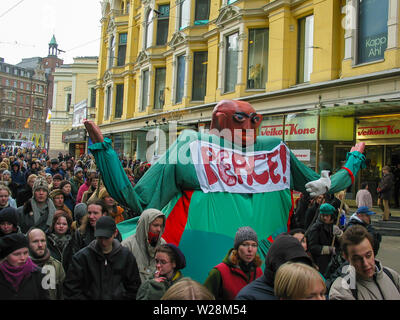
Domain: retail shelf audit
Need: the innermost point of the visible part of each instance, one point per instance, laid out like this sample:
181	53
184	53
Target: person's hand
332	250
320	186
337	231
358	147
93	131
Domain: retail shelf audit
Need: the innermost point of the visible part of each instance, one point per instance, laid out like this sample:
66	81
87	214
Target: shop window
183	14
180	78
372	29
162	24
231	62
108	103
92	97
145	89
68	104
202	12
258	59
149	29
305	49
119	101
159	88
199	75
122	49
111	52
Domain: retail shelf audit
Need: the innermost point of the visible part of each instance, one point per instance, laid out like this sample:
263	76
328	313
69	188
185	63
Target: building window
149	29
21	98
69	96
15	85
21	85
28	86
119	101
162	24
231	62
305	49
202	12
27	99
122	48
159	88
183	14
7	82
372	37
92	97
145	89
258	59
111	52
180	78
108	103
199	75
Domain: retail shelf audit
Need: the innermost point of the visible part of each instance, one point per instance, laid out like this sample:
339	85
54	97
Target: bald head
37	243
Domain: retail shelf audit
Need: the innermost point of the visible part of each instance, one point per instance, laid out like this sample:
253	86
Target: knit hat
40	183
12	242
54	161
326	208
243	234
57	176
54	193
76	170
9	214
6	172
180	259
80	210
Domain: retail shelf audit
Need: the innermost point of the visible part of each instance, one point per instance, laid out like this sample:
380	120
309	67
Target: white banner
80	110
226	170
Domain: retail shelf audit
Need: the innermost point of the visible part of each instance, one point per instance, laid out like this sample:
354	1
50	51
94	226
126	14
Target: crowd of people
59	223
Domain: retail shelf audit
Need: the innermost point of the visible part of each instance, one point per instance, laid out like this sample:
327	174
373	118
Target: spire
53	41
53	46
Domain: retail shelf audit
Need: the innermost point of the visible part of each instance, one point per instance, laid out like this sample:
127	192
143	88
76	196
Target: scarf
60	241
15	275
39	212
153	238
40	261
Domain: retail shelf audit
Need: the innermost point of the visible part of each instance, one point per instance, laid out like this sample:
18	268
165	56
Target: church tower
53	47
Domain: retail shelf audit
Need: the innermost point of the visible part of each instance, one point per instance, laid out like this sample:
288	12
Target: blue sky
27	27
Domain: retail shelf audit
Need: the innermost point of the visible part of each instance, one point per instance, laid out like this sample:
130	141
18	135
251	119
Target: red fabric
350	174
290	212
176	220
234	279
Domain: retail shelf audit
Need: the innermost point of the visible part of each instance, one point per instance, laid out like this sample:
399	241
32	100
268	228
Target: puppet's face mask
236	121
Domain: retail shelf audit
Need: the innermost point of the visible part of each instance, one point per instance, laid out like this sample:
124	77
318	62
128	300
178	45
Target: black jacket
29	289
94	276
319	235
375	234
58	252
24	195
386	185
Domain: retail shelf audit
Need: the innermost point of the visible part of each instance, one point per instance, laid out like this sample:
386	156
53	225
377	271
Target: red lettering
272	167
209	155
223	167
263	177
239	163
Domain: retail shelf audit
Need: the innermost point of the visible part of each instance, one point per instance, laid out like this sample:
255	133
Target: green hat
326	208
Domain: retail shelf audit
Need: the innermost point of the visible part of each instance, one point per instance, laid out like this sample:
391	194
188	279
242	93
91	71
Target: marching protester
57	196
69	200
76	181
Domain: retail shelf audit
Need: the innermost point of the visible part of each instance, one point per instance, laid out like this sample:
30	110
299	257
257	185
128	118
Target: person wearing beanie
143	243
53	169
57	196
39	210
284	248
169	261
91	192
26	192
57	178
80	211
40	255
17	178
20	278
240	266
9	221
114	210
104	270
320	237
76	181
69	200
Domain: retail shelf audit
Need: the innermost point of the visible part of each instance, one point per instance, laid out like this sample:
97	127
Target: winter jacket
53	172
26	216
75	185
154	290
29	289
319	237
284	248
139	245
227	278
69	201
84	187
95	276
17	176
354	220
386	186
23	195
60	250
380	287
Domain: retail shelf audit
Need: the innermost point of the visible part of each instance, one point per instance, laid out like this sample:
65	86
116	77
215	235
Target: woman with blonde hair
298	281
187	289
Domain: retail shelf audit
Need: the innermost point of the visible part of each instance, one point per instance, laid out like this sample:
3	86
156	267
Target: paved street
389	252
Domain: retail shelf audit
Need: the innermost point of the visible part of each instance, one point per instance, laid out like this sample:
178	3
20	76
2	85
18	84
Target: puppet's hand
320	186
93	131
358	147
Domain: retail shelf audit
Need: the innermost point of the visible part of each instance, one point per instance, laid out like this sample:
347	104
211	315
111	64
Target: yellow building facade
74	88
321	74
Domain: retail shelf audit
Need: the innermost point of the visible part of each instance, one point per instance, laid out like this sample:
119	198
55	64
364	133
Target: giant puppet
209	185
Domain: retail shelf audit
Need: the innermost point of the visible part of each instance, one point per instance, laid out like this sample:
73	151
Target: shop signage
302	154
74	136
378	130
80	110
297	129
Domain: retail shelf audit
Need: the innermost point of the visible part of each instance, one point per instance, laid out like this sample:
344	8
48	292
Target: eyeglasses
162	262
247	245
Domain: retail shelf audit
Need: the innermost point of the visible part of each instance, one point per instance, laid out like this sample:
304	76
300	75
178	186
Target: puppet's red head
240	118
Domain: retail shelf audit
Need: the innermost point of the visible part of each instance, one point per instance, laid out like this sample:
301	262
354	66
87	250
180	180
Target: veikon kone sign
378	130
298	129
